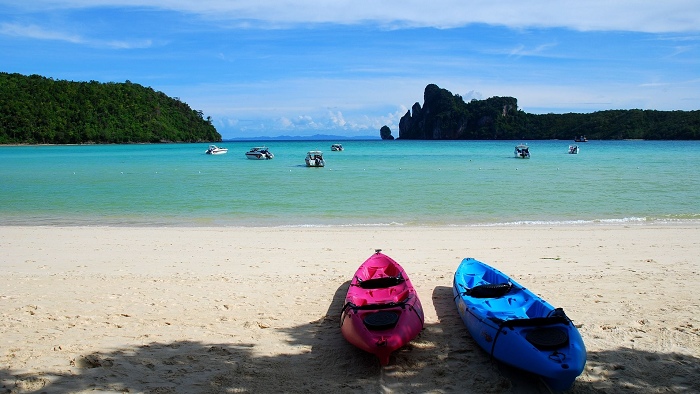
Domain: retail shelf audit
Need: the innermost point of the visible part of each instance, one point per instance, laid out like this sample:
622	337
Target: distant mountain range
316	137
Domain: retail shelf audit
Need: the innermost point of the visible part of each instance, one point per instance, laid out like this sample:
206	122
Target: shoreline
223	224
221	309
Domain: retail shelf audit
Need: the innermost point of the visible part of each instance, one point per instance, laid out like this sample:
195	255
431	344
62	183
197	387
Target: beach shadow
630	370
464	353
330	350
443	358
176	367
616	370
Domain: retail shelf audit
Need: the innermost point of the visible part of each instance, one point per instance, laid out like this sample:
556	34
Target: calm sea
371	183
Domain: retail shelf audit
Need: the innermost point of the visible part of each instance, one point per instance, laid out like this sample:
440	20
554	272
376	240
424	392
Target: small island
40	110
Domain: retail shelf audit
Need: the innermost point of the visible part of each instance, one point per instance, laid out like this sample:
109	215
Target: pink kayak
382	311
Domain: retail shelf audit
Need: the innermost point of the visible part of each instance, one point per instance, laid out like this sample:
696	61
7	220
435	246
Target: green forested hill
40	110
448	117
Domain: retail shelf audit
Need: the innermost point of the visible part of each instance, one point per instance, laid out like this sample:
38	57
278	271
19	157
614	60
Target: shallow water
369	183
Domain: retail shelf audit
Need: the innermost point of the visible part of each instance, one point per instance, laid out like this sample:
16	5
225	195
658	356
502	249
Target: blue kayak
517	327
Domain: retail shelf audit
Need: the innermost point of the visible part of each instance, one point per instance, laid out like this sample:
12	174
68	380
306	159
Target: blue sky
273	67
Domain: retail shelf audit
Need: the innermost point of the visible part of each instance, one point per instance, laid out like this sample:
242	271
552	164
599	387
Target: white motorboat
522	151
259	153
215	150
314	158
337	147
573	149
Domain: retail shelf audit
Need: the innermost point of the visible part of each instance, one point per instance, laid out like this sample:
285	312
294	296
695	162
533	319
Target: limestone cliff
445	116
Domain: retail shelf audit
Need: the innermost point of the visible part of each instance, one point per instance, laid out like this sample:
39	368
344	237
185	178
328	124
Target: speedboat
573	149
336	147
522	151
581	139
215	150
259	153
314	158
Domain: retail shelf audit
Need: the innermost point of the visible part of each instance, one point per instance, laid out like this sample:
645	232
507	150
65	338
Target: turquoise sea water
460	183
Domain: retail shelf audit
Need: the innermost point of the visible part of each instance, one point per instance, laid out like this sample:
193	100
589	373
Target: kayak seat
382	320
490	290
548	338
381	283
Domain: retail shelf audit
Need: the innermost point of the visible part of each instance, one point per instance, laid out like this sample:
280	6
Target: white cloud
522	50
337	118
121	44
304	121
38	32
41	33
472	95
284	123
622	15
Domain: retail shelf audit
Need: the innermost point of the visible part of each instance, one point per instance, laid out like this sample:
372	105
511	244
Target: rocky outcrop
445	116
385	133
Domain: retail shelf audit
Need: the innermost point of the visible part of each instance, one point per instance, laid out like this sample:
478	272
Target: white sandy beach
199	310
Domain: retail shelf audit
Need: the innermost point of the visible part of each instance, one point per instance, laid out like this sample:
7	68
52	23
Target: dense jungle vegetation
447	116
40	110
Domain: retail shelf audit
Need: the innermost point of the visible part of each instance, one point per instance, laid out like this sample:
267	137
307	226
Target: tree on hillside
35	109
